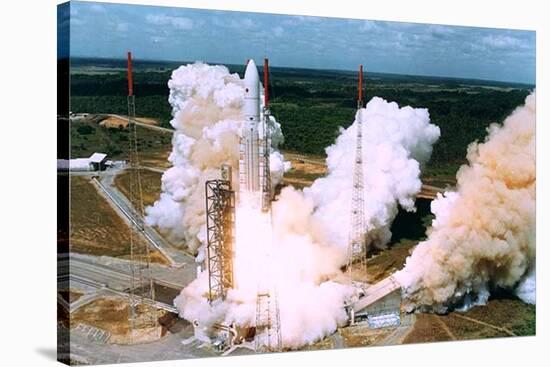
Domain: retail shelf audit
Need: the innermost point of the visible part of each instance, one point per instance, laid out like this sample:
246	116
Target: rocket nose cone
251	74
251	81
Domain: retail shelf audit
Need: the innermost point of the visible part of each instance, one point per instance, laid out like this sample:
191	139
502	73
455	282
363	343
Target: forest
312	105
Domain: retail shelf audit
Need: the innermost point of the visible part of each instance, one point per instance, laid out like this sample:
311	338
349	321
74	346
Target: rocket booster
249	162
254	149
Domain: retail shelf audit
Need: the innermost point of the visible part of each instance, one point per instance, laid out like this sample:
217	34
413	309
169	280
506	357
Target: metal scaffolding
357	247
220	227
141	280
268	323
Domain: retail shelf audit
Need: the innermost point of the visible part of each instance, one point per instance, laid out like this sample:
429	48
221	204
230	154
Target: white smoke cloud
306	233
527	287
206	104
396	142
483	235
301	267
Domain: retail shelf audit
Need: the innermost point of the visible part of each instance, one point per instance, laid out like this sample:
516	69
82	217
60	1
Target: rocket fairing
254	152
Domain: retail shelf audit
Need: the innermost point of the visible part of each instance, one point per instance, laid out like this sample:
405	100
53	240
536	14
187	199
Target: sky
169	33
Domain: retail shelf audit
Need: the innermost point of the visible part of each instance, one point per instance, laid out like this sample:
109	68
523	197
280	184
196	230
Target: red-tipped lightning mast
130	77
266	83
357	248
360	88
141	275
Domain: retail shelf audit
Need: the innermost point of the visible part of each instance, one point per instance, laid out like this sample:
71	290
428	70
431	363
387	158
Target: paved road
87	271
101	275
398	335
148	126
176	257
169	347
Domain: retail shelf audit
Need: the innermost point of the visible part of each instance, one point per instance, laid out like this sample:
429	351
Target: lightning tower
356	245
141	279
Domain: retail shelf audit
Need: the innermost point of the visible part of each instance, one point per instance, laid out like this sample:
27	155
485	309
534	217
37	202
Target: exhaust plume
206	104
483	234
306	232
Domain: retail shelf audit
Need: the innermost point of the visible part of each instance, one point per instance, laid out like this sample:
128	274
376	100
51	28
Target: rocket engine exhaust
217	120
483	234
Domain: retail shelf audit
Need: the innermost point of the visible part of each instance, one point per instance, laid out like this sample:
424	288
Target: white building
96	162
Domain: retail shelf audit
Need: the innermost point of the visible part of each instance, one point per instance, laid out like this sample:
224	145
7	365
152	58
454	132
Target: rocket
249	158
254	176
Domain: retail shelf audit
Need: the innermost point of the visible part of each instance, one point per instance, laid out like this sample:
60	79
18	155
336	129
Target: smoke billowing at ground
483	234
306	234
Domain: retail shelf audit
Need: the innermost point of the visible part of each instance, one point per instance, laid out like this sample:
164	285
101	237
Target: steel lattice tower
141	280
268	322
220	224
357	246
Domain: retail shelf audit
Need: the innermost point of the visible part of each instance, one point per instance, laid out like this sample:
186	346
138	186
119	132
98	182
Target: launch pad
376	306
220	228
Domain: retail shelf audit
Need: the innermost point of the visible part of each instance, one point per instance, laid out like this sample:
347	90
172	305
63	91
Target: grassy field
150	184
96	228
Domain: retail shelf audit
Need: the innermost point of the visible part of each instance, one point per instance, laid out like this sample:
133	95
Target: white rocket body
250	160
255	146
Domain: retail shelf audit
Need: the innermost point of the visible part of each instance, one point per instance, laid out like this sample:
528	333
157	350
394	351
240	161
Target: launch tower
220	227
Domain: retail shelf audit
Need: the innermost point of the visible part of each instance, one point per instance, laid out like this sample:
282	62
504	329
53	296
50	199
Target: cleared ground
156	157
147	120
499	318
384	263
96	228
111	314
71	295
306	168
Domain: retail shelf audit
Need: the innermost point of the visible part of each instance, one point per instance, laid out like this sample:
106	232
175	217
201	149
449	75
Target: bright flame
253	240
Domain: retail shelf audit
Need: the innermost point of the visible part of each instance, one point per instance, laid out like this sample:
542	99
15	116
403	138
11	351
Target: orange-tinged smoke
483	235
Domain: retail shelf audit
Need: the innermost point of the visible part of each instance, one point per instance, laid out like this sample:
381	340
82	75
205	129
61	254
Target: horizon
308	42
365	71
